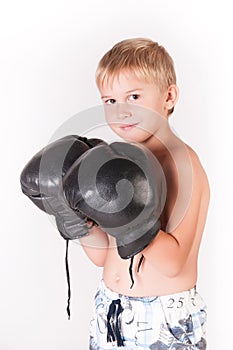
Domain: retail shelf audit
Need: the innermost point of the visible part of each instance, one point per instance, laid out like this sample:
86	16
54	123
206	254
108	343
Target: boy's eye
111	101
133	97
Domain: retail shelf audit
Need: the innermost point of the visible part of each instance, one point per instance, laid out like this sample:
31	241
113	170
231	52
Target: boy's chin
135	135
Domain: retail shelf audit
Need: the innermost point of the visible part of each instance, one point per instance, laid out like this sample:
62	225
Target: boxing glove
41	181
122	187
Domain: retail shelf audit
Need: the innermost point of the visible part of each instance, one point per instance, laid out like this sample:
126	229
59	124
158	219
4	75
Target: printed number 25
173	303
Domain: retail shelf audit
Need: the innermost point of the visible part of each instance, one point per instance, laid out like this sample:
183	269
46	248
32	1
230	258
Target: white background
49	52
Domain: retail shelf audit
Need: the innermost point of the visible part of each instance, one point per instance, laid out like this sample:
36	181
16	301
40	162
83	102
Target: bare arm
95	245
168	252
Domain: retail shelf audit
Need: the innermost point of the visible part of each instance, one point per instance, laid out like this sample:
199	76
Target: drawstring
115	310
68	279
113	322
131	268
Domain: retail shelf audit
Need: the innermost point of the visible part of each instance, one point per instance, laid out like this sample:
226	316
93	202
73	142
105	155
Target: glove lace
131	268
68	278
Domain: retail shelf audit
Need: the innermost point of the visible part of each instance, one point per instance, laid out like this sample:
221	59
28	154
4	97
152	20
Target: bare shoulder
188	164
200	179
187	186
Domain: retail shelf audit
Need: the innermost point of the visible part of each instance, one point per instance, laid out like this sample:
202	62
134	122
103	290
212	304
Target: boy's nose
123	112
118	113
124	115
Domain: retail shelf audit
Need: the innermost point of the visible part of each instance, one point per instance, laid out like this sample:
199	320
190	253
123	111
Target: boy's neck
162	141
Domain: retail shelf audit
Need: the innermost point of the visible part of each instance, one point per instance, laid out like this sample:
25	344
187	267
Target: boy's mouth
128	126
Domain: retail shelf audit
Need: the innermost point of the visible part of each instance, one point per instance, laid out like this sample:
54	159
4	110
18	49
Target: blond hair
145	58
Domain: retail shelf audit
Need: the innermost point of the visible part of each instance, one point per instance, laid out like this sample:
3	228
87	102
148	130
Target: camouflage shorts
173	322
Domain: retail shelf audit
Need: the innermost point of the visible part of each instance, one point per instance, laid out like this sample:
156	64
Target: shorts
173	322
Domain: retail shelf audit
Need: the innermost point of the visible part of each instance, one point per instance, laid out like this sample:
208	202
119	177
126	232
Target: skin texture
170	263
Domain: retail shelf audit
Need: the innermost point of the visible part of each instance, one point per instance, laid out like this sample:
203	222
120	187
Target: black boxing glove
122	187
41	181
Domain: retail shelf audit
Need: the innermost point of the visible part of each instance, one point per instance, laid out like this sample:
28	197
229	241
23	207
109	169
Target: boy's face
135	108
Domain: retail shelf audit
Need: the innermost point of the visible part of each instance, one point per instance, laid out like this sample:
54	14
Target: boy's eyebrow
105	96
127	92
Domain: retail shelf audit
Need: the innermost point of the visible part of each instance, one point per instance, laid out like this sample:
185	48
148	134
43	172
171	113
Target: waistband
179	298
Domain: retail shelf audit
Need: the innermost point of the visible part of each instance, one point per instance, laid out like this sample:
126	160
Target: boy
149	301
163	309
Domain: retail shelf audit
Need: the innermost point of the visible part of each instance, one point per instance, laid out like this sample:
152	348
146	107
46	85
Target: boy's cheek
110	114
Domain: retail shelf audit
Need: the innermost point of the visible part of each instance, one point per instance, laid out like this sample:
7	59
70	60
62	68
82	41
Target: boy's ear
171	97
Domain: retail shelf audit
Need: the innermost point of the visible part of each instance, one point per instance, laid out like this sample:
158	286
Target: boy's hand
123	189
41	180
